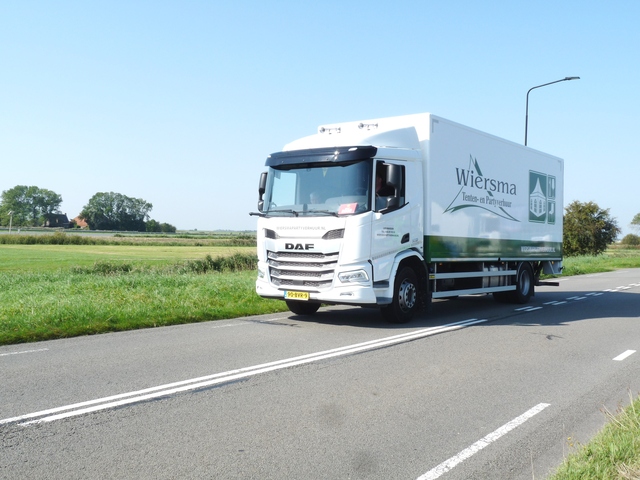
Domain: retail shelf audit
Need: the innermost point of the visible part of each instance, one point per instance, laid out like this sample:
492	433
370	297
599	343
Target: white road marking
447	465
624	355
218	378
527	309
23	351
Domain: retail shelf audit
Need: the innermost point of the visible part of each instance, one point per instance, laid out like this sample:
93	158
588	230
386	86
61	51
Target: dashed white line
527	309
447	465
624	355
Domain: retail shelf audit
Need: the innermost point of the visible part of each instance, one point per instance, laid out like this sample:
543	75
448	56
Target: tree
155	226
635	223
28	204
588	229
167	228
114	211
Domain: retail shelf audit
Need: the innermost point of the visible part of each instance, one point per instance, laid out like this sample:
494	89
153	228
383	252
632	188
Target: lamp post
526	118
10	220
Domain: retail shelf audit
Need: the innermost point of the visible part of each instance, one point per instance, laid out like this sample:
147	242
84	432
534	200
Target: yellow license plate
296	295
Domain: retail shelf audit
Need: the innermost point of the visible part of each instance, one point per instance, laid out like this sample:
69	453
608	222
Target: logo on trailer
479	191
542	198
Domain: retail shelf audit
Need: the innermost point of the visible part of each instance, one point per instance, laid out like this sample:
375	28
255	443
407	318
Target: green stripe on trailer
441	248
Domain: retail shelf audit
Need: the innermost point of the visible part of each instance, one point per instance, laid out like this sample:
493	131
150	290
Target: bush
631	240
234	263
104	268
588	229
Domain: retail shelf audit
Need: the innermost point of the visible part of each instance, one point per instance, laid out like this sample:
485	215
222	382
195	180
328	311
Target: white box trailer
393	212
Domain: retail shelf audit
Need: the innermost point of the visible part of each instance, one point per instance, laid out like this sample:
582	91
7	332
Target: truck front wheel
302	308
405	297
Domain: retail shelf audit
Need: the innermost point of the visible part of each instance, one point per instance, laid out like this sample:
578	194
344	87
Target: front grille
312	271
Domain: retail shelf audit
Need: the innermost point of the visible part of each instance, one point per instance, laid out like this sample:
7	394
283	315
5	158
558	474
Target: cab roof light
329	130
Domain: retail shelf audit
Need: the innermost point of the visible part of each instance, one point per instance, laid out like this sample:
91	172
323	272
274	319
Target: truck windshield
319	189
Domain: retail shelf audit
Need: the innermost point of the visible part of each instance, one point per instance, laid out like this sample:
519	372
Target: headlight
261	273
356	276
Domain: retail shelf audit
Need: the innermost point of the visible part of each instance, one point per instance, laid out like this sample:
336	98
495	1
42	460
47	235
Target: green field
51	258
52	288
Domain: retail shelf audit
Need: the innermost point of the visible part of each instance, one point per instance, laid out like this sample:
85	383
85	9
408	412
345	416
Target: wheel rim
407	296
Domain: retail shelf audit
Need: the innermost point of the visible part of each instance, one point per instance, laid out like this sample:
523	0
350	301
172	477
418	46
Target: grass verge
114	297
614	453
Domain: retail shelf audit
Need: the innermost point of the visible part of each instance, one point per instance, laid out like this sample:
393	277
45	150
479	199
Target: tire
524	284
302	308
405	297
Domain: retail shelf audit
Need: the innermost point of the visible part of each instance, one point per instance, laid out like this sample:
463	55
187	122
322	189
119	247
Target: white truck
393	212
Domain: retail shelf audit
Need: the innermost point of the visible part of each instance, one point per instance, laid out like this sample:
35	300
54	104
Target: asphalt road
472	389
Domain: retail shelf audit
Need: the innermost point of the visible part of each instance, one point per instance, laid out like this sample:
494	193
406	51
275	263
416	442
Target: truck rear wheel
302	308
524	284
405	297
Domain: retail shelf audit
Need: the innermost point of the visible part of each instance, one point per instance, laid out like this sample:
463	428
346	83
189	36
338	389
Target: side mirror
262	187
394	180
394	177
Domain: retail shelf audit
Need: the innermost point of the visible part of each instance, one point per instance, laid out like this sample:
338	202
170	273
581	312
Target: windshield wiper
295	213
328	212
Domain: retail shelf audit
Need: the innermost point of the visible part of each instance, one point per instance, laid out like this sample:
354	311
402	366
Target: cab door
391	225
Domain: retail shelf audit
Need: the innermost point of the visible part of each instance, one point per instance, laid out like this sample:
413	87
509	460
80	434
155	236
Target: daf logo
298	246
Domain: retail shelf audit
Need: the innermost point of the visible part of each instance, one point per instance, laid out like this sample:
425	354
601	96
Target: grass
54	286
51	258
42	306
614	258
613	454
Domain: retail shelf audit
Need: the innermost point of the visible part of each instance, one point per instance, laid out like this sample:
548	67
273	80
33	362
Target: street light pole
526	118
10	220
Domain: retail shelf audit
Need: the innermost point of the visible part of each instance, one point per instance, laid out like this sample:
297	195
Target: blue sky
179	103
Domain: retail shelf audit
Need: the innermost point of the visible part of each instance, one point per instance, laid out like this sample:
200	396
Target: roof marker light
368	126
329	130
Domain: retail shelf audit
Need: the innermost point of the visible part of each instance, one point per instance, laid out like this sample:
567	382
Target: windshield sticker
347	208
